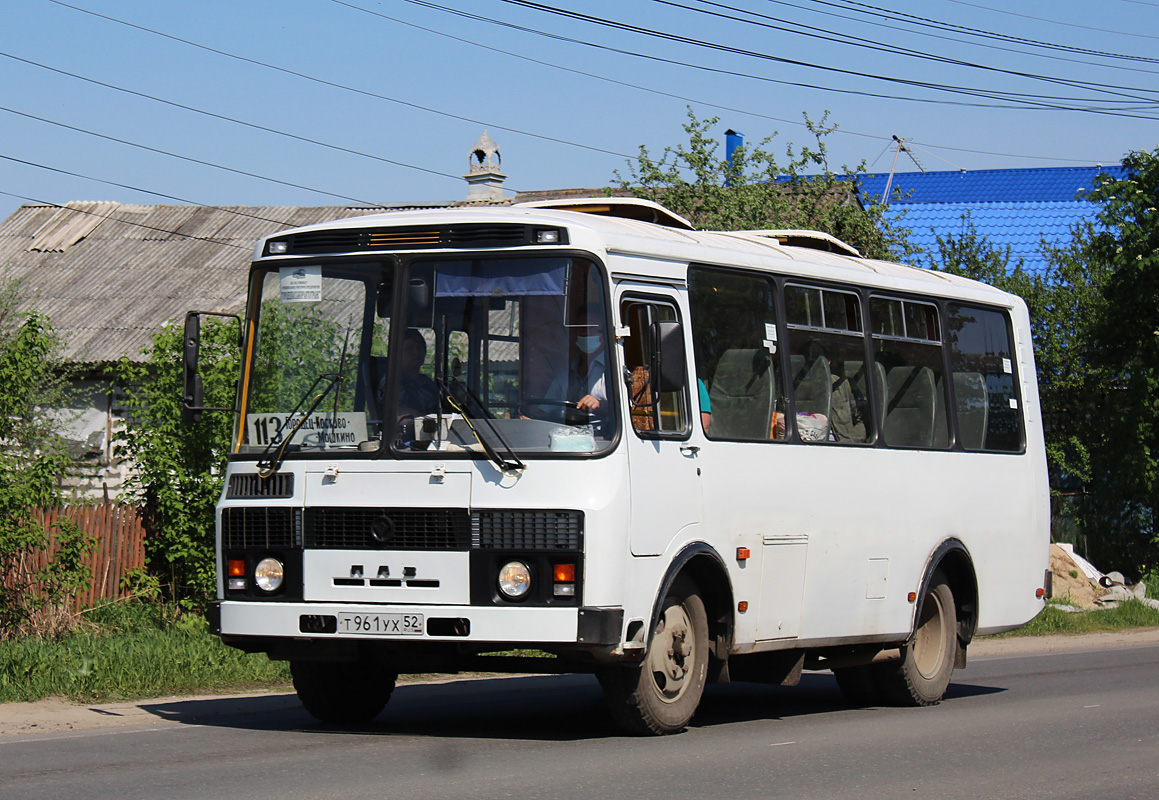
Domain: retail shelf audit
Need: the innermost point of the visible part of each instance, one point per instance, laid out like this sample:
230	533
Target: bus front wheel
342	692
922	676
660	695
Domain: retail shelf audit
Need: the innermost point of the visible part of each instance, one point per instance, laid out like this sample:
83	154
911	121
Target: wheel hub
671	656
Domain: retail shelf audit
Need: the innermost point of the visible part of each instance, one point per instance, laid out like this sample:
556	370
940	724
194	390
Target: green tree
32	460
179	465
1095	324
1122	252
756	190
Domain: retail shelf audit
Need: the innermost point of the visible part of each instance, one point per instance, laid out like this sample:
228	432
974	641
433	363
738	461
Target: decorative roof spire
484	178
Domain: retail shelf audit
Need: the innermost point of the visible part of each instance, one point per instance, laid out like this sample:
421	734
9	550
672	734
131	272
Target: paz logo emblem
382	529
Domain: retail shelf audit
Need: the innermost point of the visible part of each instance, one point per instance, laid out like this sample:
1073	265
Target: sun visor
516	277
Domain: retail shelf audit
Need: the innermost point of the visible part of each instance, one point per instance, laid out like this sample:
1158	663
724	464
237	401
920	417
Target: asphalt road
1078	724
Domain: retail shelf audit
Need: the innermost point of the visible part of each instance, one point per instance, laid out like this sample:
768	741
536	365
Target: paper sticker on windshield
1007	366
301	284
345	429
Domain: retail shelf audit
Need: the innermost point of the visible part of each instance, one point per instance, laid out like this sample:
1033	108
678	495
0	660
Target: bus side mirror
671	373
192	389
193	395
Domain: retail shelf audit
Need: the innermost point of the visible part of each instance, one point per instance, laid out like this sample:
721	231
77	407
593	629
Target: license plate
381	624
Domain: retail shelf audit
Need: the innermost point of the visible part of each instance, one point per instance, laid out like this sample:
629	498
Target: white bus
663	456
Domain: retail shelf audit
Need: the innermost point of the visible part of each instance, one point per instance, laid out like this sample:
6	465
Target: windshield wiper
266	468
509	464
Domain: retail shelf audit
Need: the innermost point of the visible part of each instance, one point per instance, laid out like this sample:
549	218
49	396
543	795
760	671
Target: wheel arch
953	559
703	565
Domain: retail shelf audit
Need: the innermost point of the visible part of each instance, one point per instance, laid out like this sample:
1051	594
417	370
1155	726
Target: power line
185	158
955	39
1028	102
1057	22
335	85
707	103
925	21
144	191
124	221
856	41
1032	100
229	119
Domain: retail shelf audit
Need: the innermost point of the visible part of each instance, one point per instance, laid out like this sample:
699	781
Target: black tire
858	685
922	676
660	695
343	692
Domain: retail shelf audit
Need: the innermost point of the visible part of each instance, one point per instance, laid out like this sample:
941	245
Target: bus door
664	464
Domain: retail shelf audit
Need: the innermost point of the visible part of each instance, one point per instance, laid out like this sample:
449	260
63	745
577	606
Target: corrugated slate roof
110	275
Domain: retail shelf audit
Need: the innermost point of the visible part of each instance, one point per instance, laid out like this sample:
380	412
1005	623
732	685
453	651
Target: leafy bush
32	598
179	463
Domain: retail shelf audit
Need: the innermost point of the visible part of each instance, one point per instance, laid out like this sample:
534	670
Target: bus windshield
490	357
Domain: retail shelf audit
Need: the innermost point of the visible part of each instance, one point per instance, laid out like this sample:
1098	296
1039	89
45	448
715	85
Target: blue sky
392	94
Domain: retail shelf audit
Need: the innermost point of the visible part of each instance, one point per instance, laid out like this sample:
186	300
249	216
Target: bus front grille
520	529
247	485
388	528
257	528
446	529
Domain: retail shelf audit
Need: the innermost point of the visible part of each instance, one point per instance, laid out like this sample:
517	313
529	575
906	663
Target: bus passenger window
985	390
734	336
651	413
907	362
828	372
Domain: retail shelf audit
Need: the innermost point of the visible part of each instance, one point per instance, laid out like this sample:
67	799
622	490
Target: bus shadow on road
538	708
816	694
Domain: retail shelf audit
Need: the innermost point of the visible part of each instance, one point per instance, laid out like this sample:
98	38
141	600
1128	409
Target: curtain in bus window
985	390
501	277
734	339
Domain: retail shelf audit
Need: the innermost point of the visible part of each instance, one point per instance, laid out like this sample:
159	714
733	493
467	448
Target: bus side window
985	387
651	414
829	374
907	353
734	335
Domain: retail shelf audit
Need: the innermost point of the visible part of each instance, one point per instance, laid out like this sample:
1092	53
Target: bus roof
596	224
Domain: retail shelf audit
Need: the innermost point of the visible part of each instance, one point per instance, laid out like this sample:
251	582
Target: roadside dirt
56	715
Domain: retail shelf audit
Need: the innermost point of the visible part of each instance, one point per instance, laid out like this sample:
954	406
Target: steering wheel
569	411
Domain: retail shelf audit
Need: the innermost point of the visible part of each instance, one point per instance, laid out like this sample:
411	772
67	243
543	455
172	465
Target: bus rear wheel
922	676
660	695
344	692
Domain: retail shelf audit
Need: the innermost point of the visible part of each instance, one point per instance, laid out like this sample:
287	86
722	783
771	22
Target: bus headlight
514	579
268	575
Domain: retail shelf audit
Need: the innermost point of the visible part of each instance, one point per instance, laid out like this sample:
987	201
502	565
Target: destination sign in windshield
344	429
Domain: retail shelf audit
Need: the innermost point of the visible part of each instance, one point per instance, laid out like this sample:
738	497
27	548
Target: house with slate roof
109	275
1016	207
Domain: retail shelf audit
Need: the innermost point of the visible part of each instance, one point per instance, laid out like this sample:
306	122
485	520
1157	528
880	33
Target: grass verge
130	652
1053	620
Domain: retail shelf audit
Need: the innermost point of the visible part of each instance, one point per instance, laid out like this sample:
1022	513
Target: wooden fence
120	547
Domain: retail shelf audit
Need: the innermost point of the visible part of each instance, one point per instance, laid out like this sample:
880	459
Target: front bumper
516	626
